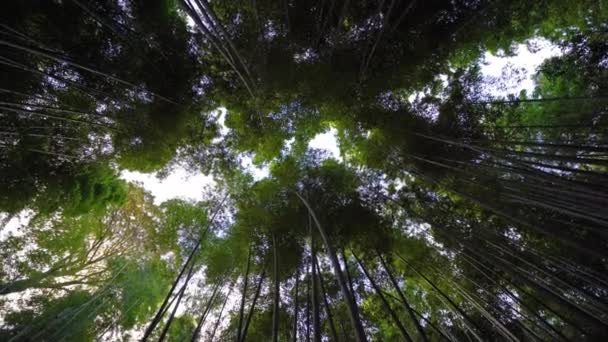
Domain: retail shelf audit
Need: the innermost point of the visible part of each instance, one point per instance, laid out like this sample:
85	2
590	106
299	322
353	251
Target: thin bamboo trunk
78	66
243	296
398	300
251	310
308	304
215	42
348	276
295	308
450	301
505	267
548	99
316	320
353	312
475	300
545	325
162	310
402	296
204	314
386	304
179	299
330	317
275	313
219	317
223	32
24	111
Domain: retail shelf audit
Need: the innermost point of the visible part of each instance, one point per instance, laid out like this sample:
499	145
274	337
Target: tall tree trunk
477	302
162	310
525	276
201	321
170	303
448	299
316	320
386	304
295	308
422	318
216	42
223	32
509	268
179	299
59	59
244	296
275	313
402	296
308	282
219	317
255	299
348	276
543	322
330	317
352	309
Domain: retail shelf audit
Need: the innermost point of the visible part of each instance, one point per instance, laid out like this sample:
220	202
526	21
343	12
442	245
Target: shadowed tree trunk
219	317
179	299
204	314
316	320
466	317
330	318
295	307
348	276
308	305
251	310
161	311
439	331
543	322
243	296
350	303
275	313
402	296
386	304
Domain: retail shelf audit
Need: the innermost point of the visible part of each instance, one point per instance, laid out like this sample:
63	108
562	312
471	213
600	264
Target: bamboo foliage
466	216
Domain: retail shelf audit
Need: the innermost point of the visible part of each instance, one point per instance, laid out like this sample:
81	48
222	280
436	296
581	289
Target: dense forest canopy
452	214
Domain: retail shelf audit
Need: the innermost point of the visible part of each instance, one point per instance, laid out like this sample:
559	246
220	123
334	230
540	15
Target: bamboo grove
454	212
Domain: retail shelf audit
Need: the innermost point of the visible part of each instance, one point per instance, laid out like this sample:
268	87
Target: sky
183	185
178	183
524	60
